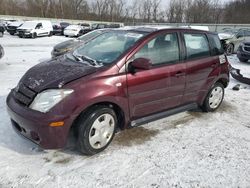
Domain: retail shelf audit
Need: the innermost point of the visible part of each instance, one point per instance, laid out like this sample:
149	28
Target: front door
162	86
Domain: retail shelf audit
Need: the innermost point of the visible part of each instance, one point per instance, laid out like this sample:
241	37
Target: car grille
23	94
12	27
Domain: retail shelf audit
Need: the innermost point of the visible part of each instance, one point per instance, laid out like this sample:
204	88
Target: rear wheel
96	130
214	98
243	59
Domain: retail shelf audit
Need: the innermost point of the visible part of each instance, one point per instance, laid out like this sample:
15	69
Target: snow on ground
191	149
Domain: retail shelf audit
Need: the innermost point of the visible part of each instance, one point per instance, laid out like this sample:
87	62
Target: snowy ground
191	149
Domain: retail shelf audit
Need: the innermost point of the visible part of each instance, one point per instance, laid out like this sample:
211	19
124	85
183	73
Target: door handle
179	74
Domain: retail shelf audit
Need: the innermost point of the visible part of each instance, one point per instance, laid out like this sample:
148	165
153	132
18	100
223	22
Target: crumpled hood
66	44
55	73
225	36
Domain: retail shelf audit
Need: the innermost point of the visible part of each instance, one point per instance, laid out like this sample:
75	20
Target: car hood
55	73
225	36
66	44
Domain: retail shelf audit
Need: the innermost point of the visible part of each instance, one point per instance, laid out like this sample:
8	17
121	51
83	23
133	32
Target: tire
1	52
214	98
50	34
12	33
230	49
243	60
34	35
93	135
1	34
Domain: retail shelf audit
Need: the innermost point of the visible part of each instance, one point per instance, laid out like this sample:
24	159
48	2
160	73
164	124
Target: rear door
161	87
200	65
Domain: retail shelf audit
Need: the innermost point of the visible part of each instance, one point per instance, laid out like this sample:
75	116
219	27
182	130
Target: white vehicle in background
35	29
74	31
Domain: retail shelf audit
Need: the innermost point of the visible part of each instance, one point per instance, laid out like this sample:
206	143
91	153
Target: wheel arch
118	110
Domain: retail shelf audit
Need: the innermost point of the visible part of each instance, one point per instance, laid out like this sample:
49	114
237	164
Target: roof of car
151	29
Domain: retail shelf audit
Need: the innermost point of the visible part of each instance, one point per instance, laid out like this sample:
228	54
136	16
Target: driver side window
163	49
39	26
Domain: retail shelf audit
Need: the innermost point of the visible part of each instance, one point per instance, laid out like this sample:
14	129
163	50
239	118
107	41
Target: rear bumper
34	125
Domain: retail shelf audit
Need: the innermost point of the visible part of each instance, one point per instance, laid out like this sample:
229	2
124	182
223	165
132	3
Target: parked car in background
98	26
2	29
118	80
12	27
75	30
65	47
1	52
233	39
243	52
35	29
114	26
58	28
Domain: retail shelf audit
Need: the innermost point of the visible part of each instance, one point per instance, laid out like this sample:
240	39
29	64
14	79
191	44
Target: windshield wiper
79	57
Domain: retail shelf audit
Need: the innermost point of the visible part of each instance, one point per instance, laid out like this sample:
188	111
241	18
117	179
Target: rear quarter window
215	44
196	45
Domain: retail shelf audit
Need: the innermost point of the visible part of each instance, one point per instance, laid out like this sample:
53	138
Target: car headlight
46	100
65	49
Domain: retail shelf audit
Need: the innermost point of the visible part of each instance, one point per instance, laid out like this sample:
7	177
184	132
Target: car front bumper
243	54
35	126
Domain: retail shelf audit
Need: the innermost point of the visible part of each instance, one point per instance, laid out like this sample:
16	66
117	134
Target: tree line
132	11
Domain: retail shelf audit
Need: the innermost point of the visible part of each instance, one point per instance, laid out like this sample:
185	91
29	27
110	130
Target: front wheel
34	35
96	130
214	98
230	49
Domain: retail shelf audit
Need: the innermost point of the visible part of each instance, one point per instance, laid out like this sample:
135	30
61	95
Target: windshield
29	24
108	47
90	35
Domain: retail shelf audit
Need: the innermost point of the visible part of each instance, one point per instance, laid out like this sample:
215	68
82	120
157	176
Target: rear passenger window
196	45
216	47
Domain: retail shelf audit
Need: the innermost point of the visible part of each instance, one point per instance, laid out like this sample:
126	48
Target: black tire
1	34
243	60
50	34
12	33
230	49
207	106
34	35
84	129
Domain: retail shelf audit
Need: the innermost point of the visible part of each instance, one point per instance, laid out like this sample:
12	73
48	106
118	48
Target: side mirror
140	64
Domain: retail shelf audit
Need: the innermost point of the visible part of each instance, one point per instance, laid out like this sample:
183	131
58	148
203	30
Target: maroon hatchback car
121	79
